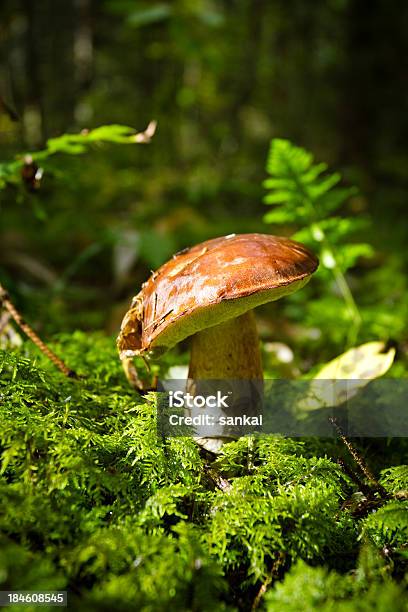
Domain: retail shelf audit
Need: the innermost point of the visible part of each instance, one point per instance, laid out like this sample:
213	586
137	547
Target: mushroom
209	292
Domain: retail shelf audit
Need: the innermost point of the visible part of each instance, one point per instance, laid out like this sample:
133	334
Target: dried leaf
366	362
342	378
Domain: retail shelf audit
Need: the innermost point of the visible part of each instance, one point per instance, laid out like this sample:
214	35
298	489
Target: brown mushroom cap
210	283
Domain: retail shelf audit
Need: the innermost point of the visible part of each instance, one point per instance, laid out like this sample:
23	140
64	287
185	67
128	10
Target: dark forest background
222	78
92	499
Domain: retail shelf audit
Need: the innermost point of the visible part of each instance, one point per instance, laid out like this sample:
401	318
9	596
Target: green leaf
279	197
155	247
348	255
75	144
279	215
333	199
296	181
278	183
314	172
148	15
317	189
121	134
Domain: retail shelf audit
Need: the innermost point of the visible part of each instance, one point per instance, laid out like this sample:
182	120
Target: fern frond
395	478
298	183
389	525
303	193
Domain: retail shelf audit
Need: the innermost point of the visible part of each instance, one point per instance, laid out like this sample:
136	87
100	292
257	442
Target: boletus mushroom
209	292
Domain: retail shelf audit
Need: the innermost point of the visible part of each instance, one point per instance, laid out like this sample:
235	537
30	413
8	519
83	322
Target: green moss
93	501
365	589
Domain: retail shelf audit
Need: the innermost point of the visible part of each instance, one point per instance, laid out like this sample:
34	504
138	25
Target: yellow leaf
366	362
341	379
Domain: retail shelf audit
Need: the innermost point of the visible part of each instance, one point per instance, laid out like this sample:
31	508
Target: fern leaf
296	181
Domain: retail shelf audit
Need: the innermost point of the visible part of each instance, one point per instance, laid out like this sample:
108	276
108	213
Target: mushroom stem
229	354
229	350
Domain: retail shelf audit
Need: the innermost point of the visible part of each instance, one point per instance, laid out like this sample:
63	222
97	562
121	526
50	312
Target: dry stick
354	477
356	456
9	306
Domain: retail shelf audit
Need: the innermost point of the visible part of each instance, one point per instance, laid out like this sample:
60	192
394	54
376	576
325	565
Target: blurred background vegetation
222	78
93	500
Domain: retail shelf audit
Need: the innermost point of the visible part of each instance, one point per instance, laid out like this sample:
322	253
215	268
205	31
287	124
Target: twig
9	306
354	477
357	457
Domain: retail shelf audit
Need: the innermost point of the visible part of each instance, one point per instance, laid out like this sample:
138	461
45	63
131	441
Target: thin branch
357	457
25	327
354	477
